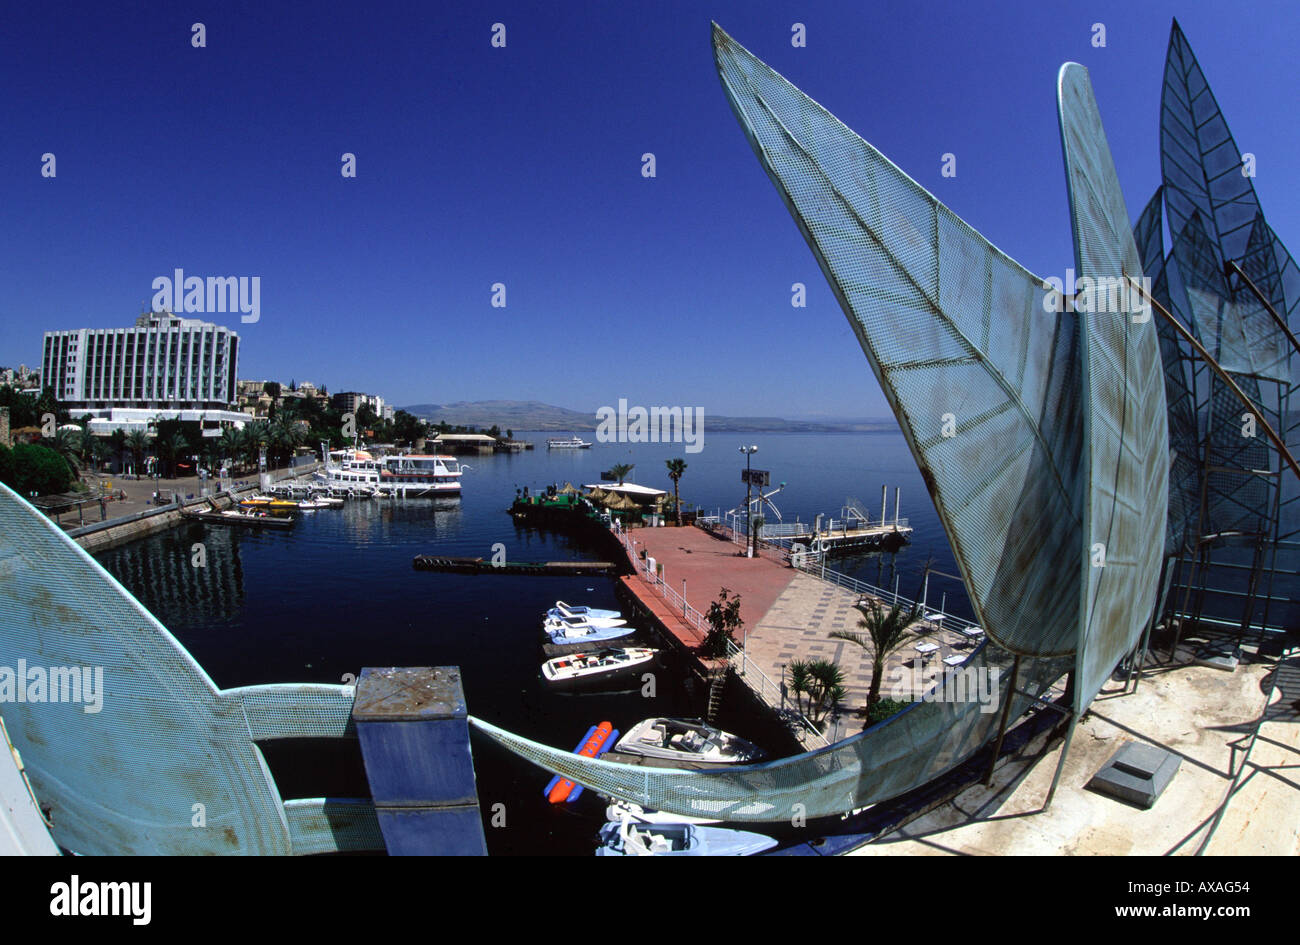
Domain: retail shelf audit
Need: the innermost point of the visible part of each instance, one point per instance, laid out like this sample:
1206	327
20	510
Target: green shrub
40	470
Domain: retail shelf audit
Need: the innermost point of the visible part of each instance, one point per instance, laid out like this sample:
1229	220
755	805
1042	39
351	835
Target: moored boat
627	838
561	609
597	664
579	624
585	634
687	740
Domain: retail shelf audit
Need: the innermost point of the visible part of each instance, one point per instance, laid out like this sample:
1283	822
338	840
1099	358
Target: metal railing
758	681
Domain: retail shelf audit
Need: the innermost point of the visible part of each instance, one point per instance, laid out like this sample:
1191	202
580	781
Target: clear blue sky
522	165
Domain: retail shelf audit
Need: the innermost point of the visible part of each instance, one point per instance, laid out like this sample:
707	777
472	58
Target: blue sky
522	165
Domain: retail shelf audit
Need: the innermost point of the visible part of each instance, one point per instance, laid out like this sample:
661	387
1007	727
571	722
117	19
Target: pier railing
757	680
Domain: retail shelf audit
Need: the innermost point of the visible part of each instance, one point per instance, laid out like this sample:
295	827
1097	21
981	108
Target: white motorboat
627	838
595	664
579	624
618	811
561	609
687	740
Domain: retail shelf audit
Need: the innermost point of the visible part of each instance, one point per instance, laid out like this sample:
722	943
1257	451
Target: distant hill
534	415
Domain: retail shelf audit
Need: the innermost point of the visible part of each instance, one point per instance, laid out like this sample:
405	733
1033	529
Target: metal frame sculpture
1234	507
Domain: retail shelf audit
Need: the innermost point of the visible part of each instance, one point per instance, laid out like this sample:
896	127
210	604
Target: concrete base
1137	774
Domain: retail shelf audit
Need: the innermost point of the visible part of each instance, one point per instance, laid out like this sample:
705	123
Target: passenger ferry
413	475
567	443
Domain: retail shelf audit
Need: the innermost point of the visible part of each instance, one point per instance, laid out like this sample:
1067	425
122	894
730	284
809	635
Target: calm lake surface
338	592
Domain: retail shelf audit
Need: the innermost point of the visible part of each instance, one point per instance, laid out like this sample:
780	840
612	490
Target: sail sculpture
1228	488
1053	489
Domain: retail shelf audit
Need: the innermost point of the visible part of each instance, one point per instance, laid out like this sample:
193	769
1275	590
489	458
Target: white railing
755	678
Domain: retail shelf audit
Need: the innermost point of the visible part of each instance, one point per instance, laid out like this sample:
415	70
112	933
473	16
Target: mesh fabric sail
957	332
1123	390
169	763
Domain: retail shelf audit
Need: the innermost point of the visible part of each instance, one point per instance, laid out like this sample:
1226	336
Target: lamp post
749	451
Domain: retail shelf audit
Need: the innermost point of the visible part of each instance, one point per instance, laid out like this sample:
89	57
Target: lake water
338	592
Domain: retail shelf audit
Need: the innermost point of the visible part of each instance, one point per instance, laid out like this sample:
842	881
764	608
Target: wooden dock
452	565
241	521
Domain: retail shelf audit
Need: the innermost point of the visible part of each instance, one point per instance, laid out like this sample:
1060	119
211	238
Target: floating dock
245	521
540	568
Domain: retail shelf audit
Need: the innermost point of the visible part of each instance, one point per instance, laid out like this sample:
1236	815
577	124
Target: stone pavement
798	627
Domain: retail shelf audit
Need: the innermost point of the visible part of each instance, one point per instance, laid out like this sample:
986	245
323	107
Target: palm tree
118	439
137	441
230	444
886	632
176	446
620	470
676	469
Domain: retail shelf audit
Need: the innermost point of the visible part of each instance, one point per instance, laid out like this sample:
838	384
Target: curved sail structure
129	745
1237	552
1123	391
1060	441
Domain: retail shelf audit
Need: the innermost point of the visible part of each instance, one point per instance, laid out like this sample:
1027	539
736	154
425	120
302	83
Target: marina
264	633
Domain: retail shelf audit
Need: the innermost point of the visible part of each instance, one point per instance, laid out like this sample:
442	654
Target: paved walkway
788	615
799	625
709	564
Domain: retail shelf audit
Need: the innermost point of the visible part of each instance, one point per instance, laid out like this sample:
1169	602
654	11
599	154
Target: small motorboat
687	740
561	609
574	623
627	838
584	633
618	811
595	664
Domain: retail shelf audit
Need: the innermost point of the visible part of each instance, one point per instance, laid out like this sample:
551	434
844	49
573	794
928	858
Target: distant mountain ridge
534	415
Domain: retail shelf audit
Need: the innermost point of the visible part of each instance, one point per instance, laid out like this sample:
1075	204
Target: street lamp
749	451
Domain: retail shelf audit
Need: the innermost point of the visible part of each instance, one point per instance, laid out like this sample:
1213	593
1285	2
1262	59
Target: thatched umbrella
598	494
568	489
623	503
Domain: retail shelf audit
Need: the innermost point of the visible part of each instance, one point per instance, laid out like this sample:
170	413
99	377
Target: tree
886	632
825	689
40	470
272	389
723	618
676	469
137	441
620	471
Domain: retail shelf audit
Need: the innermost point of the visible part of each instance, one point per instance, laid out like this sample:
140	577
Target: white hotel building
176	368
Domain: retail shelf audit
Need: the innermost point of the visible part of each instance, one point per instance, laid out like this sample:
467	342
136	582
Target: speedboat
585	633
598	663
561	609
618	811
626	838
580	624
687	740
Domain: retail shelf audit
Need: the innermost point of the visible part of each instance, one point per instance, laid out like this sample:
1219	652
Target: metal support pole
884	500
1002	725
1060	765
897	494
